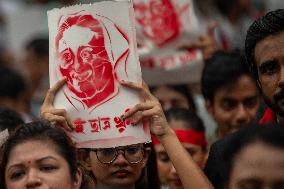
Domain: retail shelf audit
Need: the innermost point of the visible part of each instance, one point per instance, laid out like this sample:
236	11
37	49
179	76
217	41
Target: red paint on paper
89	71
159	20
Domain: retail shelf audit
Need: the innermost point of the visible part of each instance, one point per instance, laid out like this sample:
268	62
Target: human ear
146	157
78	179
84	159
209	107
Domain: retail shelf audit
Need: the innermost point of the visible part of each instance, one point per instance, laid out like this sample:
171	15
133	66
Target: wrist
168	133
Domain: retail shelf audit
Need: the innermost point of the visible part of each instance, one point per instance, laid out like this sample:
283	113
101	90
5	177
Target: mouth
176	182
121	173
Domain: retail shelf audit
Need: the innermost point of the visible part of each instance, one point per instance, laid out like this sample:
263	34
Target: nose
281	78
33	179
173	170
120	159
242	115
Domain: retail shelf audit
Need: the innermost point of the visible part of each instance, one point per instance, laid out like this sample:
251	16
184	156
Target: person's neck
106	186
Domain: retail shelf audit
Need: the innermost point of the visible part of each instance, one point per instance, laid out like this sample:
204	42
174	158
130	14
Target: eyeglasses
133	153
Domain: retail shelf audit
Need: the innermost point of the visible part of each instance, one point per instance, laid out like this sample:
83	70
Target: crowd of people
242	90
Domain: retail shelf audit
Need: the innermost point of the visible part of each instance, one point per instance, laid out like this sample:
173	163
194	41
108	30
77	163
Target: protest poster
163	26
94	47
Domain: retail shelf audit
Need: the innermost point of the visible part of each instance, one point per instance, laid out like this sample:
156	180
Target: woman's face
166	170
37	164
118	173
258	166
170	98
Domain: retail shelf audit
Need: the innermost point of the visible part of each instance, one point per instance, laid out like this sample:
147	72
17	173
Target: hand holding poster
94	48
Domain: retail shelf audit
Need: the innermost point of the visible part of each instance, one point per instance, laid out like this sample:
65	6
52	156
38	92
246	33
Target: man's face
234	106
258	166
269	57
85	63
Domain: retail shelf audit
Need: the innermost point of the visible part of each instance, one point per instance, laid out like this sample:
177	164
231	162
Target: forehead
28	153
244	87
83	37
187	146
270	48
178	124
259	161
164	92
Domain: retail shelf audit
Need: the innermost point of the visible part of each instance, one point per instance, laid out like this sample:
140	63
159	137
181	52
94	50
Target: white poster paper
94	47
162	27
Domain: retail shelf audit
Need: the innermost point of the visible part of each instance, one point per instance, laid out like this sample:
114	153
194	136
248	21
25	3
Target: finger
144	89
130	84
60	120
59	112
53	90
58	85
151	113
136	108
211	28
70	123
145	86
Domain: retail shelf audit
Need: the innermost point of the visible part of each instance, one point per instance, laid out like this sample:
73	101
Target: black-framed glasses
133	153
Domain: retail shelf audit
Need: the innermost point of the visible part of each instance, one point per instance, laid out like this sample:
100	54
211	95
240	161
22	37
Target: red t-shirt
268	117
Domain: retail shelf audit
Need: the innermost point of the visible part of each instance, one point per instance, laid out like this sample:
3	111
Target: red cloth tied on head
188	136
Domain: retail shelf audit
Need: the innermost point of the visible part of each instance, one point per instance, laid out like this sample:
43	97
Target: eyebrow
267	62
37	161
228	99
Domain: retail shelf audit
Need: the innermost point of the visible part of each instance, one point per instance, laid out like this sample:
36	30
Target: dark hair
222	70
225	6
39	46
191	118
12	83
271	135
149	177
270	24
40	131
9	119
182	89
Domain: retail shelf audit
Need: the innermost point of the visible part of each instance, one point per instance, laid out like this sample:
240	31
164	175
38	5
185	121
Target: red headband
187	136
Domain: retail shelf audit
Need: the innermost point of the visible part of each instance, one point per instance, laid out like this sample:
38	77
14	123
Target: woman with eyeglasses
124	167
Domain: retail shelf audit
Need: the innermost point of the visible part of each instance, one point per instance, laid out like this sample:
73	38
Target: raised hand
50	113
150	109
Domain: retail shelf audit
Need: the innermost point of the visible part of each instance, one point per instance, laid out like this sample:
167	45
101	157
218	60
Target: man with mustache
264	49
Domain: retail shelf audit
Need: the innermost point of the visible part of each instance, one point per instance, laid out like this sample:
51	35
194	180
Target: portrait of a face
159	20
85	61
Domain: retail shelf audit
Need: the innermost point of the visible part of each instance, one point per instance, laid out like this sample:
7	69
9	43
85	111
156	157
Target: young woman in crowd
190	131
257	161
174	96
122	167
38	155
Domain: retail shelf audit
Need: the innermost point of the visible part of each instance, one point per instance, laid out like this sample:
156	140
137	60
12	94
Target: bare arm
192	177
